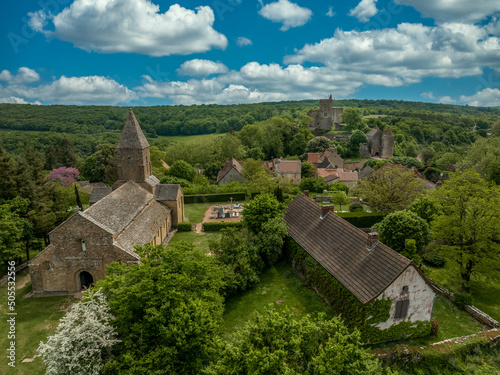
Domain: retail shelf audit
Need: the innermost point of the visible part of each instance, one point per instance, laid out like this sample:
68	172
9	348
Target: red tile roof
341	249
288	166
342	175
313	157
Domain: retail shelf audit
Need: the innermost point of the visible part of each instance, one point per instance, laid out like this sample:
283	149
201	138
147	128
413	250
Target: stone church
136	210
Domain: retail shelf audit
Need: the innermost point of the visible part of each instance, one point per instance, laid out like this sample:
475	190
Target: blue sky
141	52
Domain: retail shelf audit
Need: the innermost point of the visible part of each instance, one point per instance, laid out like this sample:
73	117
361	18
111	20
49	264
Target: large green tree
400	226
484	157
260	209
282	343
182	169
168	310
318	144
390	188
469	226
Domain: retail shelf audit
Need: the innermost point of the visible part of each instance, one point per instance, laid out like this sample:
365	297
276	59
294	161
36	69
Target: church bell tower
134	162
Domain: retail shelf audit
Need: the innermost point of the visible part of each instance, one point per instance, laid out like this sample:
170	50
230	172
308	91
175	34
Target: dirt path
199	228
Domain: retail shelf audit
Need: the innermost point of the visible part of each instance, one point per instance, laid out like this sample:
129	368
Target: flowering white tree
83	338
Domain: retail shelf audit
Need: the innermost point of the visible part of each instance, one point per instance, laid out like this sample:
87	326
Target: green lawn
185	139
36	319
200	240
195	211
453	322
279	283
485	284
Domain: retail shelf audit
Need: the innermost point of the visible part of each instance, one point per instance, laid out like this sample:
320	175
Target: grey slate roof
167	192
119	208
98	193
365	172
132	136
341	249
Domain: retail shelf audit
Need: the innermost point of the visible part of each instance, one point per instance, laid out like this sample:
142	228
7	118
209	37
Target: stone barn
359	273
137	210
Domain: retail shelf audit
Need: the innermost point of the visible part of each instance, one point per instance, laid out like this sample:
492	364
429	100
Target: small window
130	160
402	309
406	289
326	114
83	245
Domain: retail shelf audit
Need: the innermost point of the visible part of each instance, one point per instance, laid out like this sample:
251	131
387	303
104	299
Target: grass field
195	211
36	319
185	139
485	284
279	283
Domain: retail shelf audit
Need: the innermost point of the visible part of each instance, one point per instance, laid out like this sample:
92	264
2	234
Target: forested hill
206	119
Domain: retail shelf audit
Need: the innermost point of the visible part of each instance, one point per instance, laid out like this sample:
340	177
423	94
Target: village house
291	169
135	211
230	172
363	266
330	166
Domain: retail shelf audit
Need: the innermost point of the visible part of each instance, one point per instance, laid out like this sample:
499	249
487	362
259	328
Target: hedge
204	198
362	219
184	227
217	226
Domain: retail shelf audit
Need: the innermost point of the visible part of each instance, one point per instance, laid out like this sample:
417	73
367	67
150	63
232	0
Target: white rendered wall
420	294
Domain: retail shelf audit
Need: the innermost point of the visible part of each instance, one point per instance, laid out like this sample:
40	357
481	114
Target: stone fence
473	311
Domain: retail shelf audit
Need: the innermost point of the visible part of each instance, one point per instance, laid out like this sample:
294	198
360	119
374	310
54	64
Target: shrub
362	219
434	327
356	207
184	227
217	226
463	299
434	260
204	198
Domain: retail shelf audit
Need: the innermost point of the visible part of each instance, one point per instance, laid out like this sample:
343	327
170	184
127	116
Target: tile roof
341	174
132	136
288	166
119	208
232	163
313	157
365	172
167	192
98	193
341	249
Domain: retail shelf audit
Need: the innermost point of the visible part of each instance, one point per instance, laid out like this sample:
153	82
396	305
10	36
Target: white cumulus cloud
134	26
287	13
454	10
199	67
330	12
24	75
242	41
427	95
485	98
15	100
365	10
406	54
64	90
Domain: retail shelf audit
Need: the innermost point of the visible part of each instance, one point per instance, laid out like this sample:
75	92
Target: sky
156	52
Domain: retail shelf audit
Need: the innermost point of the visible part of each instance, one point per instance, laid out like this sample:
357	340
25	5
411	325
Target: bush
205	198
217	226
338	186
434	260
363	219
175	180
434	327
356	207
184	227
462	300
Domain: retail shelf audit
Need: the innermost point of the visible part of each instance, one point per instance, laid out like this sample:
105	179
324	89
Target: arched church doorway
86	280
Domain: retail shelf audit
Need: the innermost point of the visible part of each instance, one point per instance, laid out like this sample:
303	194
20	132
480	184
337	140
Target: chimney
372	240
325	210
306	193
332	208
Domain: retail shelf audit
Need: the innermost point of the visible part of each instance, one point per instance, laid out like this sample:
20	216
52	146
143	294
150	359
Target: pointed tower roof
388	131
132	135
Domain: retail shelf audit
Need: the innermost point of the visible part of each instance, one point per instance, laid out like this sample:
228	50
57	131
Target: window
83	245
402	309
326	114
405	289
130	160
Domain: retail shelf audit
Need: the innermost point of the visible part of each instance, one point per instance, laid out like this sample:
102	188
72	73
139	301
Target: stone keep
326	117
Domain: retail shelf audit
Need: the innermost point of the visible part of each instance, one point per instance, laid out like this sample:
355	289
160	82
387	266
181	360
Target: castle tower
134	162
387	149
